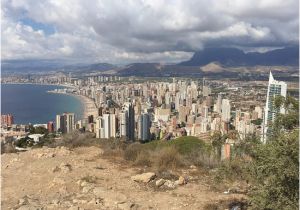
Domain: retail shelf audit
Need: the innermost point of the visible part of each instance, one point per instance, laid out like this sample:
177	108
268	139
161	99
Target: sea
30	103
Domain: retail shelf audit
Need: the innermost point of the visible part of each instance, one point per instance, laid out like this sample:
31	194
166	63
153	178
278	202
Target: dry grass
8	148
167	158
143	159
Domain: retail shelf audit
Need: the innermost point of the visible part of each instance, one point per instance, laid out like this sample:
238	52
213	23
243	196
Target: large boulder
160	182
181	181
145	177
169	184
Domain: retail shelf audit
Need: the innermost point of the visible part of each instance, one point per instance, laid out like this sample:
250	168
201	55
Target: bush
203	158
167	158
143	158
237	169
7	148
74	139
132	151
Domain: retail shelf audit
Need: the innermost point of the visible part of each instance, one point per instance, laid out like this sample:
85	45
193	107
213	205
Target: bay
30	103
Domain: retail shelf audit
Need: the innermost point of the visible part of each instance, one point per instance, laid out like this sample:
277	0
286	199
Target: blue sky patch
47	28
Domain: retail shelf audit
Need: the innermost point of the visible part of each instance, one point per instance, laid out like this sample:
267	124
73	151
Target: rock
55	169
169	184
145	177
22	201
75	208
99	191
234	190
55	202
27	207
63	190
181	181
50	155
126	206
160	182
96	201
193	167
120	198
84	183
58	180
65	167
87	189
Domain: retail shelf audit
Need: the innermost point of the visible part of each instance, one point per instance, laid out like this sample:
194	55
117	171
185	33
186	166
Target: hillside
82	178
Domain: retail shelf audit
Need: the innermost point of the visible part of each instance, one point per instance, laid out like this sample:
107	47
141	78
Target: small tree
276	164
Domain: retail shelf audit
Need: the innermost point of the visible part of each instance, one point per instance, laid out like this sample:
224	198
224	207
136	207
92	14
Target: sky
120	31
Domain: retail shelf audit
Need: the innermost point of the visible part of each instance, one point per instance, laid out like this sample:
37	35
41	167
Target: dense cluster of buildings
147	110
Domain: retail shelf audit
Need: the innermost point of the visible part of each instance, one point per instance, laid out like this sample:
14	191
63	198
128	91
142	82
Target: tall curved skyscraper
275	88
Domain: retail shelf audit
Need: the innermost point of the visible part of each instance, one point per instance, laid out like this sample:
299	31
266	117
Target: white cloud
143	30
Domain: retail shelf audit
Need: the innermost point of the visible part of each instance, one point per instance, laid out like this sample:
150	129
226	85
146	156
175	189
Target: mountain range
206	61
236	57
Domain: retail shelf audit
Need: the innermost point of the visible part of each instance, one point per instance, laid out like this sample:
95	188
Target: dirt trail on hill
58	178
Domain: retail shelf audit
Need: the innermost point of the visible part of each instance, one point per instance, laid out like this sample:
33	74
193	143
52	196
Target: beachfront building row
7	120
123	125
65	123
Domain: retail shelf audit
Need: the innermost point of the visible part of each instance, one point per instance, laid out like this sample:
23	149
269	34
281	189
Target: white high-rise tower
275	88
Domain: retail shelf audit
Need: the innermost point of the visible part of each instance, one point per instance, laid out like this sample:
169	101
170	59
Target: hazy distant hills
157	70
90	67
235	57
208	62
20	66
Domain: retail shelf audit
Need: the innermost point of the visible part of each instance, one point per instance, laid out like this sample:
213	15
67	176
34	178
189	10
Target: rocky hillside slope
59	178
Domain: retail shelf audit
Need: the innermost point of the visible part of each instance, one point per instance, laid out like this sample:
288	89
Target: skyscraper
127	122
106	126
219	103
131	123
50	127
275	88
7	119
123	123
70	122
65	123
144	124
226	110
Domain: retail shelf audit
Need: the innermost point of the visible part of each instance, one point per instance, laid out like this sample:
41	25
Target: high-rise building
50	126
275	88
60	124
106	126
144	125
65	123
219	104
123	124
127	121
70	122
131	123
7	119
206	91
225	107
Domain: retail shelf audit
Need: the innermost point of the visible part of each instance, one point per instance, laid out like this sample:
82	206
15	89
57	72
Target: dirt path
81	179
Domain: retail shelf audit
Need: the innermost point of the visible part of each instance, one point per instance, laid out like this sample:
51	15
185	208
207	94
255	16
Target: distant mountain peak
237	57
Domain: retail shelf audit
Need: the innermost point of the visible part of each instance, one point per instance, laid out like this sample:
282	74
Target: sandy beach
89	106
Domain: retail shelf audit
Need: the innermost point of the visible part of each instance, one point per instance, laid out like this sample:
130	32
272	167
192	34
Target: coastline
30	83
89	106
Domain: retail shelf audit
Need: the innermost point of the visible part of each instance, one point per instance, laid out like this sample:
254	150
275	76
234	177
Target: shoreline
89	106
30	83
